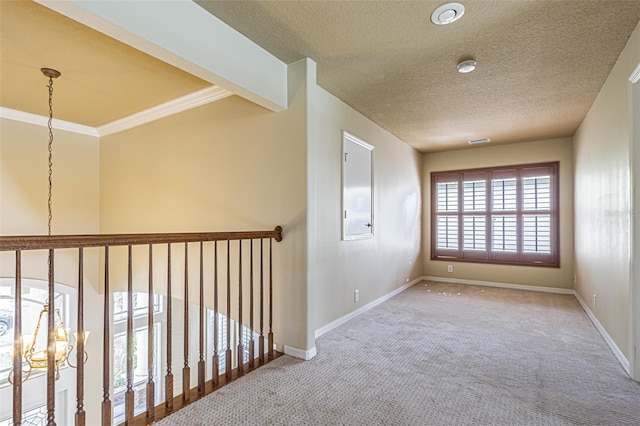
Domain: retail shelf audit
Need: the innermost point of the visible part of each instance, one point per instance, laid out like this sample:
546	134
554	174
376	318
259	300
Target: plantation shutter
538	213
501	215
504	215
474	215
447	189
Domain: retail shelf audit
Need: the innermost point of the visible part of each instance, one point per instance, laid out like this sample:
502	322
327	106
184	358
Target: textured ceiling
102	79
541	63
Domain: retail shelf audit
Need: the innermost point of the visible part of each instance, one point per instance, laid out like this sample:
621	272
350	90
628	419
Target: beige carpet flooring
440	354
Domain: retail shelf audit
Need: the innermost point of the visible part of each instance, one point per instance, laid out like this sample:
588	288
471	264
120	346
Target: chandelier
34	357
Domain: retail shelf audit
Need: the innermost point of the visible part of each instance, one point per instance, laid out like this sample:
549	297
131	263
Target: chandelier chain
50	126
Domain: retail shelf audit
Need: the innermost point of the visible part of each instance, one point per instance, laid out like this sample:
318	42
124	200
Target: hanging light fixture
36	358
33	357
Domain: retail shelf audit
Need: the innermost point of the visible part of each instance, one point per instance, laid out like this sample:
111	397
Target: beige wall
226	166
378	265
24	180
603	200
24	191
522	153
76	202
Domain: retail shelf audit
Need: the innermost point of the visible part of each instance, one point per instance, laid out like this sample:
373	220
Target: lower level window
505	215
33	417
140	352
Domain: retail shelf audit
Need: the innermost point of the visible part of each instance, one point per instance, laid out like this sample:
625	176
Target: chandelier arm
35	334
70	348
25	377
64	330
69	357
28	373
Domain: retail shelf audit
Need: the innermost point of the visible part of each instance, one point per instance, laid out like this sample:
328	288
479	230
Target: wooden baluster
168	403
270	349
251	342
240	330
129	394
17	344
106	341
201	370
186	371
216	358
228	358
151	401
261	339
80	413
51	346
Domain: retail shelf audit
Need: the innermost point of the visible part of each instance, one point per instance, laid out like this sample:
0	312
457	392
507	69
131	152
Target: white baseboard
501	285
325	329
612	345
300	353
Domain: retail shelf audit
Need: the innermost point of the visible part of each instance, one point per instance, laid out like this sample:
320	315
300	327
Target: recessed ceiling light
466	66
477	141
447	13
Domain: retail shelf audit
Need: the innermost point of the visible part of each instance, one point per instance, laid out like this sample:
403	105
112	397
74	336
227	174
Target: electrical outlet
356	296
449	268
595	300
574	280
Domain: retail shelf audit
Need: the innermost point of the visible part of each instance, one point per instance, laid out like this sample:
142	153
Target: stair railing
262	279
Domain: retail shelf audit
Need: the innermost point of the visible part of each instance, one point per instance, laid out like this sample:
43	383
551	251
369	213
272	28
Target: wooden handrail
46	242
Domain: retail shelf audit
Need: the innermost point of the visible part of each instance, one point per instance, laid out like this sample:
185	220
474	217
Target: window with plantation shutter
474	221
503	215
447	204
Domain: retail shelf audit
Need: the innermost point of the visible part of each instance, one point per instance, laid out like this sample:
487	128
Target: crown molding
193	100
40	120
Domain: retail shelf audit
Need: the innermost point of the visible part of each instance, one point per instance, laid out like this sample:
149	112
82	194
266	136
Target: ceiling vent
447	13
